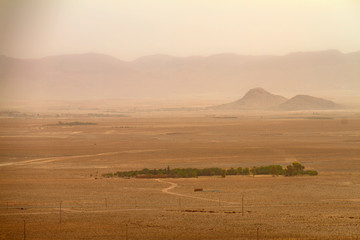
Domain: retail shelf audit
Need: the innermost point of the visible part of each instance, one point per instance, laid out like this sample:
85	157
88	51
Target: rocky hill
256	98
260	99
306	102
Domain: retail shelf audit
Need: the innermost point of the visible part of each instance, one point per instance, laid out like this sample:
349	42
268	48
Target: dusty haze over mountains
130	29
75	50
327	73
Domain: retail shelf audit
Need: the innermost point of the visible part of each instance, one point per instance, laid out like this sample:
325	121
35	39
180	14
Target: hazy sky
129	29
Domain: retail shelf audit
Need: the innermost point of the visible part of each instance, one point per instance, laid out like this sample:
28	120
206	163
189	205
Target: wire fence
178	204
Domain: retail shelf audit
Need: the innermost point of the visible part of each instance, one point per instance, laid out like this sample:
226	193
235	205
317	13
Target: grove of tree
295	169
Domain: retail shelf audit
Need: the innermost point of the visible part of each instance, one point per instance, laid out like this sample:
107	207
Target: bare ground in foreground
43	165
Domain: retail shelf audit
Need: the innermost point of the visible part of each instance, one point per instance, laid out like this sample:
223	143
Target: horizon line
174	56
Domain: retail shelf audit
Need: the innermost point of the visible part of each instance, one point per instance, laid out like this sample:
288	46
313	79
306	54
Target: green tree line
295	169
75	123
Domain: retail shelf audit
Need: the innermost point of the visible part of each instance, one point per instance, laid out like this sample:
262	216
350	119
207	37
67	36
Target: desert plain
51	184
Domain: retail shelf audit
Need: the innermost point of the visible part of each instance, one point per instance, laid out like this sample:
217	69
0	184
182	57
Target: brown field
44	165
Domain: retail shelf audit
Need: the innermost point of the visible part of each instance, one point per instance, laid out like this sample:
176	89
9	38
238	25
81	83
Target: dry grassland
43	165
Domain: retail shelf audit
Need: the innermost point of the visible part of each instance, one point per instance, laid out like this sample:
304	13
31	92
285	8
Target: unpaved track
174	185
54	159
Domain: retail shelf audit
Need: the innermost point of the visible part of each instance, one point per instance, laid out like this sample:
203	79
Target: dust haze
167	120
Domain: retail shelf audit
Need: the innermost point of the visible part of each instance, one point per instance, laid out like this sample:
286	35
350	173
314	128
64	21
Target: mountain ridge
92	75
327	51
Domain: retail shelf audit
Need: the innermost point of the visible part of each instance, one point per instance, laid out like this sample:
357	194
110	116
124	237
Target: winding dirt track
174	185
53	159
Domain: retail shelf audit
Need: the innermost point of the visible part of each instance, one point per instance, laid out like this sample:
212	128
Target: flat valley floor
51	185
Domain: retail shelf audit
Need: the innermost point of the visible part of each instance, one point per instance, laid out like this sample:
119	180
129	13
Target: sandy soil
43	165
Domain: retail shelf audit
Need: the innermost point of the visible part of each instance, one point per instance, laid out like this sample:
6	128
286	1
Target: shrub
297	169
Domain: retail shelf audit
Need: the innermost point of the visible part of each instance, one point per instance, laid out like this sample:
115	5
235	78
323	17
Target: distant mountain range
259	99
94	76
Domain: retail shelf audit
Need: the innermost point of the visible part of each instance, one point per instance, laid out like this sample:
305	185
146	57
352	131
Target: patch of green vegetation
106	115
295	169
318	118
75	123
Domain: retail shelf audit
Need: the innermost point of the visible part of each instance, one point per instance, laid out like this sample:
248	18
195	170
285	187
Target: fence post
242	206
24	230
126	231
60	213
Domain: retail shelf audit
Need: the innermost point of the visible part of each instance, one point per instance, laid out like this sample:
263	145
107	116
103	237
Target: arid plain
50	176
